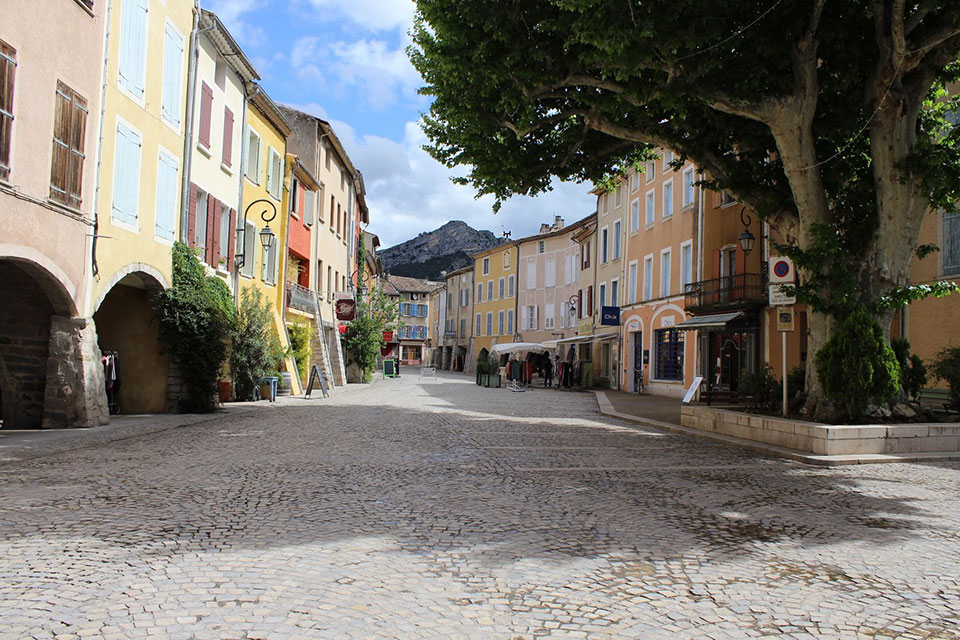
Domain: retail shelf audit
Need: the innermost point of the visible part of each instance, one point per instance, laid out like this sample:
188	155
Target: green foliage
856	366
375	314
255	349
761	390
913	373
946	367
797	380
194	319
301	334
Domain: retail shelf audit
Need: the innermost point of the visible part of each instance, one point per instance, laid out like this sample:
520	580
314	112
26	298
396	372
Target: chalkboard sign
317	375
389	368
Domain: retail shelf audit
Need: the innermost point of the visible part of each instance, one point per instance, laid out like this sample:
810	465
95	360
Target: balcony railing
300	298
729	292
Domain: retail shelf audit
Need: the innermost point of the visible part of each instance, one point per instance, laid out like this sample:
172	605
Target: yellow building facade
495	297
139	178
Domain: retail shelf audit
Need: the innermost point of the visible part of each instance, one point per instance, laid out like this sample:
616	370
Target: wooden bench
936	397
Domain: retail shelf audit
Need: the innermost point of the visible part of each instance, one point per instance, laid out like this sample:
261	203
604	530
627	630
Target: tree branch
540	124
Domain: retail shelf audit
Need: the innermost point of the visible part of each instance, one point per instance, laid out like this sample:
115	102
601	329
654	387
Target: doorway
637	338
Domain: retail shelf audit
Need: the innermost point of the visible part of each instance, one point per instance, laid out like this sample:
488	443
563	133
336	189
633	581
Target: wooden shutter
590	300
8	67
172	63
232	239
69	133
133	38
217	226
206	112
579	303
192	216
166	215
227	137
717	263
269	183
211	236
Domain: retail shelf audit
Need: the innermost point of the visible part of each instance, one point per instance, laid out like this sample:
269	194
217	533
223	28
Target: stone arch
127	333
48	363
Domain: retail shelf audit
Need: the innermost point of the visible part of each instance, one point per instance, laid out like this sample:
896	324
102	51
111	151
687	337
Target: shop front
729	344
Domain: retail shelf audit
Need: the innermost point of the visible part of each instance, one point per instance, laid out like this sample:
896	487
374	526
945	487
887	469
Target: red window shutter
211	236
717	262
227	136
300	196
192	216
217	224
741	266
579	303
231	239
590	300
206	112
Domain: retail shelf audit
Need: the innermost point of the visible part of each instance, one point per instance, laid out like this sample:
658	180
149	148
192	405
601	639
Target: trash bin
268	388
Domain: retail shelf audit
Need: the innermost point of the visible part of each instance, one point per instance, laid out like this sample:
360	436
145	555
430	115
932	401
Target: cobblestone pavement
444	510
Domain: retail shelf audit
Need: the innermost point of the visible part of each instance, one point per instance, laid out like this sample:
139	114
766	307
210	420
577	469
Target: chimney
545	228
557	223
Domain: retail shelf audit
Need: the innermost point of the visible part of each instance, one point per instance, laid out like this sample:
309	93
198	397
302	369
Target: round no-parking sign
781	270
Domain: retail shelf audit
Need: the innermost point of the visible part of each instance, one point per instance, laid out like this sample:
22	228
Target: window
489	323
604	238
8	65
224	242
500	323
479	332
506	259
686	265
726	198
651	212
463	327
268	265
206	113
172	65
667	159
605	202
632	282
541	246
635	215
510	322
309	206
665	273
133	46
548	316
220	74
620	195
486	266
510	286
647	277
227	157
503	285
464	297
531	275
200	221
69	134
550	272
326	160
126	175
951	243
616	240
651	170
248	238
275	175
668	199
688	180
167	201
530	317
329	279
614	293
489	289
603	294
635	181
669	354
479	292
585	256
449	300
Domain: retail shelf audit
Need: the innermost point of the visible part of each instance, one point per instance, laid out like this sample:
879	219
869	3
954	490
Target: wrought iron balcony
301	298
739	291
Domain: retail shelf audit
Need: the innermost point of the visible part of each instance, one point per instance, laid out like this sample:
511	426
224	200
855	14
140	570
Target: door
637	361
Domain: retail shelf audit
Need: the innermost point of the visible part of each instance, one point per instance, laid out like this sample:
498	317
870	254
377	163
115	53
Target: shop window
669	354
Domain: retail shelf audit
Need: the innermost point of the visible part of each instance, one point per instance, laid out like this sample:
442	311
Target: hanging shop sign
346	309
610	316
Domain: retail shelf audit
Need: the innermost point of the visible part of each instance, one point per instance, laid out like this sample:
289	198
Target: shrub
255	348
194	318
913	373
856	366
300	335
797	380
760	390
946	367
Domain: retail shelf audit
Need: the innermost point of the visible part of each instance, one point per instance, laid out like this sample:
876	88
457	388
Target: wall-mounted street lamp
267	236
746	239
574	299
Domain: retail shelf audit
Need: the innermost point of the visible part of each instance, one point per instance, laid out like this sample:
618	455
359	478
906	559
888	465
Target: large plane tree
830	118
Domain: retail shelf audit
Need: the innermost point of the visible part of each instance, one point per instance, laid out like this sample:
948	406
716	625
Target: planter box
492	380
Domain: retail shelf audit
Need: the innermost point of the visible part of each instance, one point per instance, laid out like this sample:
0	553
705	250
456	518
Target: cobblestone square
446	510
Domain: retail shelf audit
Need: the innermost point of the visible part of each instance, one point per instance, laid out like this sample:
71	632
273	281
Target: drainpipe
697	365
241	168
94	268
188	117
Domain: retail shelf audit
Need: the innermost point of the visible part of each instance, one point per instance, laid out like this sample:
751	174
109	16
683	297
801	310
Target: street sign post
782	272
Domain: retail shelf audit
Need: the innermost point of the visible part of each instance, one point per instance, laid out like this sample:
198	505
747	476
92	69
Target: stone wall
75	395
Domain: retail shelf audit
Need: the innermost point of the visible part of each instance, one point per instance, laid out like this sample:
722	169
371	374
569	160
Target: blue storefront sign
610	316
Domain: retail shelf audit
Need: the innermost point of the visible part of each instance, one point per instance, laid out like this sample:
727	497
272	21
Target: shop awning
515	347
591	338
717	321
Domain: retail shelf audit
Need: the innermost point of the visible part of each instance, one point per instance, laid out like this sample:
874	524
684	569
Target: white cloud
409	192
231	13
370	15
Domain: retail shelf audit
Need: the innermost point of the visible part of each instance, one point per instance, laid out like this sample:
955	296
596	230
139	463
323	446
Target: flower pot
286	384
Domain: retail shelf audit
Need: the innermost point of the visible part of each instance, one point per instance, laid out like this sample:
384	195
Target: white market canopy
515	347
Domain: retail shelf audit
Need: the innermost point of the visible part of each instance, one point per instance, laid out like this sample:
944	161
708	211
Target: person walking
548	373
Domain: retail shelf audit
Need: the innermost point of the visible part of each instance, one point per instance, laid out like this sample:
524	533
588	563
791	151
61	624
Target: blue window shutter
133	37
167	191
172	63
126	175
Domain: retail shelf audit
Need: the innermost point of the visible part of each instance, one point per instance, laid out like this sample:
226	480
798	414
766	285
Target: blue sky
345	60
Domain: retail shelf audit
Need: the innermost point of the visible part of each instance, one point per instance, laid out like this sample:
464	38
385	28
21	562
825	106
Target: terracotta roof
411	285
